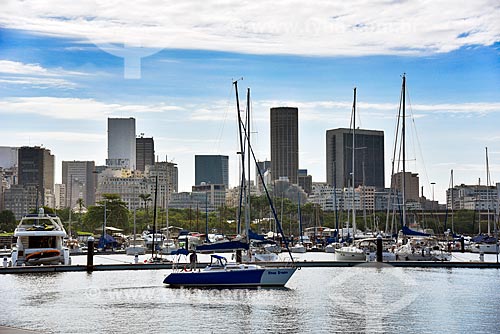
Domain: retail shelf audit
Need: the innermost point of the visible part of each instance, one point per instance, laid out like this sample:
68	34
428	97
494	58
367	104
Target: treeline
224	220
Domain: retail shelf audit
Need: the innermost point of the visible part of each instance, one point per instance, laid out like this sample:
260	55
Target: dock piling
90	254
379	248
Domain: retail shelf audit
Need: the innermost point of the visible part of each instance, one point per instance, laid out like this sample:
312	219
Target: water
316	300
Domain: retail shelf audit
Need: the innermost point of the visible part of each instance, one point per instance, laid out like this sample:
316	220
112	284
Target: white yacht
136	246
40	240
486	248
298	248
422	249
169	247
350	253
149	237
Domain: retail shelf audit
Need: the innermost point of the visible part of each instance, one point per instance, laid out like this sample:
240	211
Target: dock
302	264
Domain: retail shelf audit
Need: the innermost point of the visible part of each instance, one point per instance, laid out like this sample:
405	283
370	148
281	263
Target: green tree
117	214
7	221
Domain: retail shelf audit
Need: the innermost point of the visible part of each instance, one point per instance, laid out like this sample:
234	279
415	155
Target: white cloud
51	136
77	108
362	27
15	67
35	75
37	82
222	111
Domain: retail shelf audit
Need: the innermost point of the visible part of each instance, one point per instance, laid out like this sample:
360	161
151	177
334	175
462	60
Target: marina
428	299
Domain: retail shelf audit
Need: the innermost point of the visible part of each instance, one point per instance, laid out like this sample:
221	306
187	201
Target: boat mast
403	135
154	216
353	165
300	218
452	209
335	202
247	192
242	184
488	181
166	205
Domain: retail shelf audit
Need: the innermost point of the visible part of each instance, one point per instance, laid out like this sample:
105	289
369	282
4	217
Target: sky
66	67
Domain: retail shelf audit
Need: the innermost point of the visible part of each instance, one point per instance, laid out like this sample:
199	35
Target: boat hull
132	250
350	254
485	248
272	277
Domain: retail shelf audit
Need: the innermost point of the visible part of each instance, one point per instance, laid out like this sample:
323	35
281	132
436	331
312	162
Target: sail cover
407	231
222	246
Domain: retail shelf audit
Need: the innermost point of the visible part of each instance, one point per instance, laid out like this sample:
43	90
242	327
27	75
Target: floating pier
304	264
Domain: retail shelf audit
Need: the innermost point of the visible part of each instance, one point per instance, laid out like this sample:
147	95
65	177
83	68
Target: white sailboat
419	246
299	246
352	252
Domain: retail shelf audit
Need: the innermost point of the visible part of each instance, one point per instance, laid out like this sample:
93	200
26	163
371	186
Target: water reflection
317	300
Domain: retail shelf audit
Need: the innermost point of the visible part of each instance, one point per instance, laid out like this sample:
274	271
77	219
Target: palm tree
81	206
146	198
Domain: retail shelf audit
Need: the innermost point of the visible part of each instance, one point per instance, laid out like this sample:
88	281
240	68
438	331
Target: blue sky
62	74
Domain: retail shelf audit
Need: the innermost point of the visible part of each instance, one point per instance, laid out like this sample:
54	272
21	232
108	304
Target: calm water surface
316	300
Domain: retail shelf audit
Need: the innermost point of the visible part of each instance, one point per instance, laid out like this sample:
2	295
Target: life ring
43	254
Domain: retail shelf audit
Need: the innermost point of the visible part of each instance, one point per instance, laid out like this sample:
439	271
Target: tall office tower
60	196
411	185
305	181
265	169
285	143
79	181
8	157
369	158
36	170
145	152
121	143
212	169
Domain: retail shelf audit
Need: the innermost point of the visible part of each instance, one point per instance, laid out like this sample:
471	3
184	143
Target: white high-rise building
121	143
8	157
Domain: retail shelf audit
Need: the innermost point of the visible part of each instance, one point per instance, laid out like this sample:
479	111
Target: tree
7	221
146	198
117	213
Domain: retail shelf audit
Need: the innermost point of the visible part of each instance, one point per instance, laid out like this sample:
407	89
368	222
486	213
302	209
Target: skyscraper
285	143
79	181
145	152
369	158
212	169
36	170
121	143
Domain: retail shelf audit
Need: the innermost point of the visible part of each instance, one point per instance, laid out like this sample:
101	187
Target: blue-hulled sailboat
219	273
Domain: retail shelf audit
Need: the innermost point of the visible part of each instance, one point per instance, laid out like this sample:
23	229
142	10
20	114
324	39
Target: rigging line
417	138
393	194
226	113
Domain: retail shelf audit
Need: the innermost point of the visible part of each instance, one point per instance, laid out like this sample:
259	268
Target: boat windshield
217	261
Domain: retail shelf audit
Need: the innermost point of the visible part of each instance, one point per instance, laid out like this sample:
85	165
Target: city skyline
62	75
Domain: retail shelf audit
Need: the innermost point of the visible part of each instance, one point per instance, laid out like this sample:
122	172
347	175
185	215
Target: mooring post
379	248
90	254
462	244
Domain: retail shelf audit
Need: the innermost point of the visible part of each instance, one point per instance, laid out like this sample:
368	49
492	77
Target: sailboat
221	273
299	246
352	252
136	246
420	246
486	244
